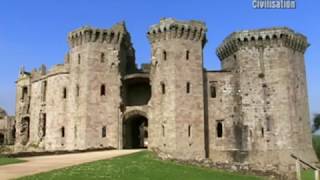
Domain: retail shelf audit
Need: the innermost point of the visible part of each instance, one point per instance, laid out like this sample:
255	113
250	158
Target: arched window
219	129
104	131
102	58
64	93
103	90
163	88
189	131
164	55
188	87
24	93
62	131
187	54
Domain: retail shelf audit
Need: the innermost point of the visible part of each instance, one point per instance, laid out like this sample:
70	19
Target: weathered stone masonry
254	111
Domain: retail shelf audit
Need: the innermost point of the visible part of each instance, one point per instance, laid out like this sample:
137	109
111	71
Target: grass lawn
139	166
6	160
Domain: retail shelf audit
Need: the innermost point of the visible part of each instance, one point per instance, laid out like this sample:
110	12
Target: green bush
316	144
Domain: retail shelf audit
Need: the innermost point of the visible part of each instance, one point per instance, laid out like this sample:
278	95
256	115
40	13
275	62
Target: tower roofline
258	37
170	28
85	34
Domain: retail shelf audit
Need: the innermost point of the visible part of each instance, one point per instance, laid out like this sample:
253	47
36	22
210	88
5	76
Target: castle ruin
254	110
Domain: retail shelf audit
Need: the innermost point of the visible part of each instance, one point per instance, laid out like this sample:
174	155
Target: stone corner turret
283	36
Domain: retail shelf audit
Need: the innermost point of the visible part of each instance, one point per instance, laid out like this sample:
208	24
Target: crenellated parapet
114	35
262	38
169	28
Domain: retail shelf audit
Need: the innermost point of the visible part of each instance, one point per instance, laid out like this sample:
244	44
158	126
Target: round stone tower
177	123
98	59
271	94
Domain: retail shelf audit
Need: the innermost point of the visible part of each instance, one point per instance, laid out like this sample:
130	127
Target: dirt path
40	164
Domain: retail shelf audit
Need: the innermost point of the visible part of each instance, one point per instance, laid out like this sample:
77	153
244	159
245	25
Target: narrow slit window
78	90
79	59
189	130
163	131
24	93
262	132
102	58
187	54
188	87
219	129
213	91
163	88
44	91
104	131
103	90
44	124
64	93
62	132
164	54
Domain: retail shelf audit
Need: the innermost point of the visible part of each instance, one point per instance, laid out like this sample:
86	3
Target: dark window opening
104	131
188	87
163	131
64	93
78	90
213	91
262	132
79	59
102	58
103	90
164	54
163	88
62	132
189	131
219	130
24	93
44	91
1	139
44	124
187	55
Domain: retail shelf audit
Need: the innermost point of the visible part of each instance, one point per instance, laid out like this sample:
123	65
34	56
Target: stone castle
253	111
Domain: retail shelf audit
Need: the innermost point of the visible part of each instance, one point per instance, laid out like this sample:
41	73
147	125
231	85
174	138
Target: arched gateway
135	130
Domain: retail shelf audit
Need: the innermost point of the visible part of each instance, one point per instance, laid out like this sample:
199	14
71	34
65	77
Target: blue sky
34	32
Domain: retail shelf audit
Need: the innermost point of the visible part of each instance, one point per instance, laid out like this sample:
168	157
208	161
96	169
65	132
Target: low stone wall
271	172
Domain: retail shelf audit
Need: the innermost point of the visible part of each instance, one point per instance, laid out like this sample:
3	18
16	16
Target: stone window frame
189	130
63	132
103	90
164	55
219	129
213	89
188	87
104	131
79	59
64	93
102	57
24	93
163	87
187	54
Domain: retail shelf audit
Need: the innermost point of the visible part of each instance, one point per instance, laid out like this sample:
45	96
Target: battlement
262	37
86	34
169	28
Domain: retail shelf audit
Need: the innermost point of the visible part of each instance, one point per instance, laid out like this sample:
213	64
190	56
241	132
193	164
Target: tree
316	123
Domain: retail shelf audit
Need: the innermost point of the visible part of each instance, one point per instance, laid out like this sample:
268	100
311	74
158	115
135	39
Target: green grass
6	160
139	166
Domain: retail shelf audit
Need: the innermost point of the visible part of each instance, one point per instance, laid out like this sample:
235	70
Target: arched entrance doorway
135	132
